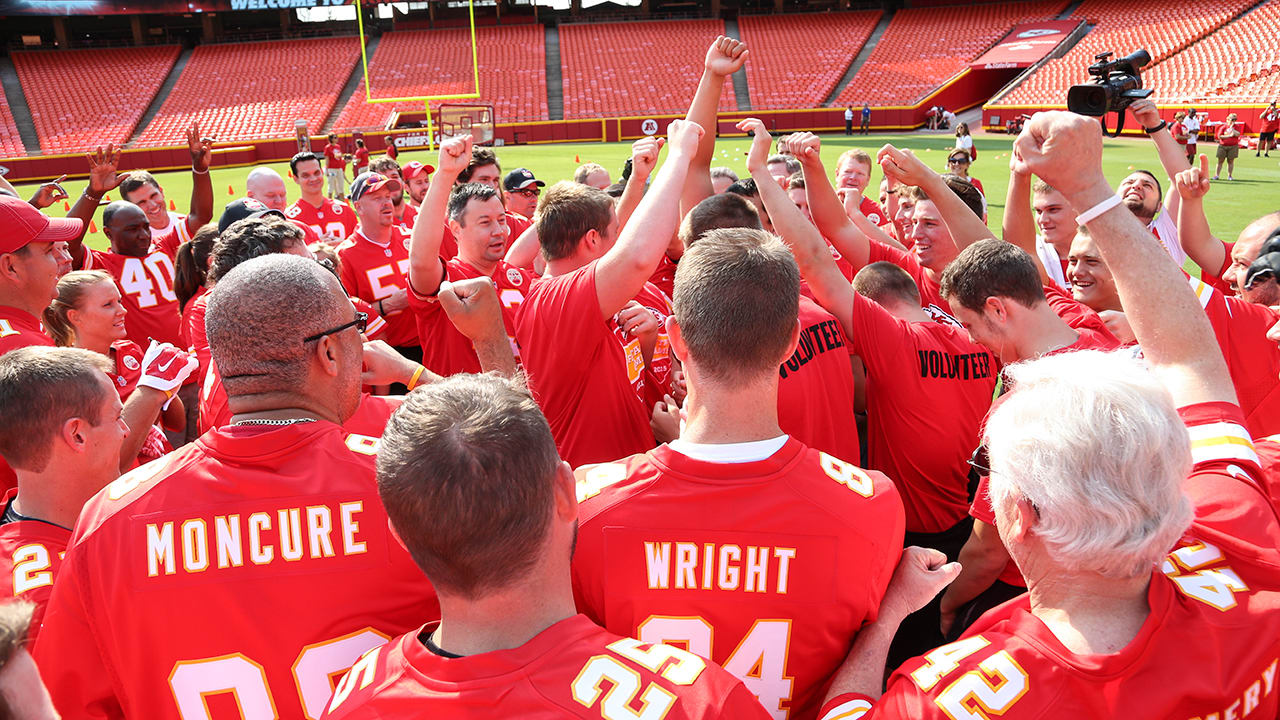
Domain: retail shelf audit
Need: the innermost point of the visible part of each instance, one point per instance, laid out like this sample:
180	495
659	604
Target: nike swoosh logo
165	366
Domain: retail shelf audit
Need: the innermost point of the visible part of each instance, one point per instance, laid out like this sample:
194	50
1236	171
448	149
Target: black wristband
380	310
1153	130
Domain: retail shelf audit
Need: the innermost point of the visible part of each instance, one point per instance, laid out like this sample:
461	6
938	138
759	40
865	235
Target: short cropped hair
718	211
1040	187
251	238
255	337
480	157
463	194
40	389
566	212
385	165
737	297
965	190
992	268
134	181
584	171
724	172
887	284
792	163
1092	440
796	181
299	158
746	187
467	471
855	155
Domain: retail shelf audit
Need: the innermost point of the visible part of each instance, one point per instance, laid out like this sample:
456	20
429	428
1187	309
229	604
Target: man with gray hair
1130	498
700	539
272	521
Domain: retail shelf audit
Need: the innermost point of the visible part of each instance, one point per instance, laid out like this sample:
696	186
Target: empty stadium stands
1122	26
248	91
438	62
635	68
800	58
10	142
1238	63
923	47
83	98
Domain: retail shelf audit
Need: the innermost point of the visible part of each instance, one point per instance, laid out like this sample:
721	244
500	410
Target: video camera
1267	265
1116	84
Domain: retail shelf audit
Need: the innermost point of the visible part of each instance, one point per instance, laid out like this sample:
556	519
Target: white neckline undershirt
746	452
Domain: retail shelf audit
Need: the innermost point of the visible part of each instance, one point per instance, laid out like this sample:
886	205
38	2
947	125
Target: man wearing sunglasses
521	190
270	521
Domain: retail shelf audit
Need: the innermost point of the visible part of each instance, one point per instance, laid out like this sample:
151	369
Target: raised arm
644	156
626	267
965	227
103	178
812	255
725	57
1019	226
1172	158
1197	240
824	205
426	270
1176	337
201	211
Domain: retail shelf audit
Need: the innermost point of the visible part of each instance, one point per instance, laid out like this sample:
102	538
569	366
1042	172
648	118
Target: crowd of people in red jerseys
456	442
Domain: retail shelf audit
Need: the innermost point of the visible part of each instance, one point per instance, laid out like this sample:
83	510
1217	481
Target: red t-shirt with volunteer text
815	387
1253	361
1214	608
572	669
30	557
445	350
146	291
267	547
582	378
333	221
333	159
371	272
930	289
737	561
928	388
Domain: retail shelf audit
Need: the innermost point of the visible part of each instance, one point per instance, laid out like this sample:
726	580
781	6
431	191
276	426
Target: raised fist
455	155
683	136
644	156
1063	149
472	305
726	56
804	145
903	166
758	157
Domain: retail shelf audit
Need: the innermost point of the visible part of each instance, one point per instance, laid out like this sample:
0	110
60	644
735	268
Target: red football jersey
19	329
930	289
657	372
30	557
582	378
146	290
333	221
192	333
1215	611
928	389
1253	360
449	244
445	351
702	554
236	577
372	272
1082	318
572	669
405	223
168	238
664	278
516	225
815	387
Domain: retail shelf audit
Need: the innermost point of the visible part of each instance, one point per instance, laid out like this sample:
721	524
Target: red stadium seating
10	142
1238	63
438	62
636	68
1122	26
923	47
254	90
83	98
798	59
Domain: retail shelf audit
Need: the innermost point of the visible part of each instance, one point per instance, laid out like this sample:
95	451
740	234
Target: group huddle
687	445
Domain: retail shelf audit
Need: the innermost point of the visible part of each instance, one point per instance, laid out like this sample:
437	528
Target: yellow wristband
413	381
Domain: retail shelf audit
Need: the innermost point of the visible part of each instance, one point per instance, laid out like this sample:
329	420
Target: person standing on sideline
848	120
866	119
1270	118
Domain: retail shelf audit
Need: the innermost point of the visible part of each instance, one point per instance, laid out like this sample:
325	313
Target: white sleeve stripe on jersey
1221	441
1203	291
851	710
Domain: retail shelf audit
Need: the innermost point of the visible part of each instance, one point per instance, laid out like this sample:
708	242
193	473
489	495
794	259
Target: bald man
267	187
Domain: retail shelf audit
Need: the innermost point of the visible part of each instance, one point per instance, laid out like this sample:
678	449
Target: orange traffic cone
231	190
172	206
107	197
66	206
575	159
92	228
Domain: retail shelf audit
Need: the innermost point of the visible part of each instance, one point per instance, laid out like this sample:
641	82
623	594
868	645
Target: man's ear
326	355
996	308
566	494
676	338
73	433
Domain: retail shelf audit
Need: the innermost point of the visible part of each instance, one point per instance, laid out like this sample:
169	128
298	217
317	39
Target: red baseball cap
370	181
414	167
22	224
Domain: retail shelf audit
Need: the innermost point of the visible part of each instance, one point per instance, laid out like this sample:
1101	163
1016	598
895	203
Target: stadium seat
1122	26
608	67
10	141
248	91
806	55
438	62
83	98
923	47
1238	63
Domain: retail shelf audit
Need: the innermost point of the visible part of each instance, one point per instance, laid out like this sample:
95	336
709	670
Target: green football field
1255	191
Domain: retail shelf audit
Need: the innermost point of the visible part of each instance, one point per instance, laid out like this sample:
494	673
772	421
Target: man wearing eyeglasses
272	521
